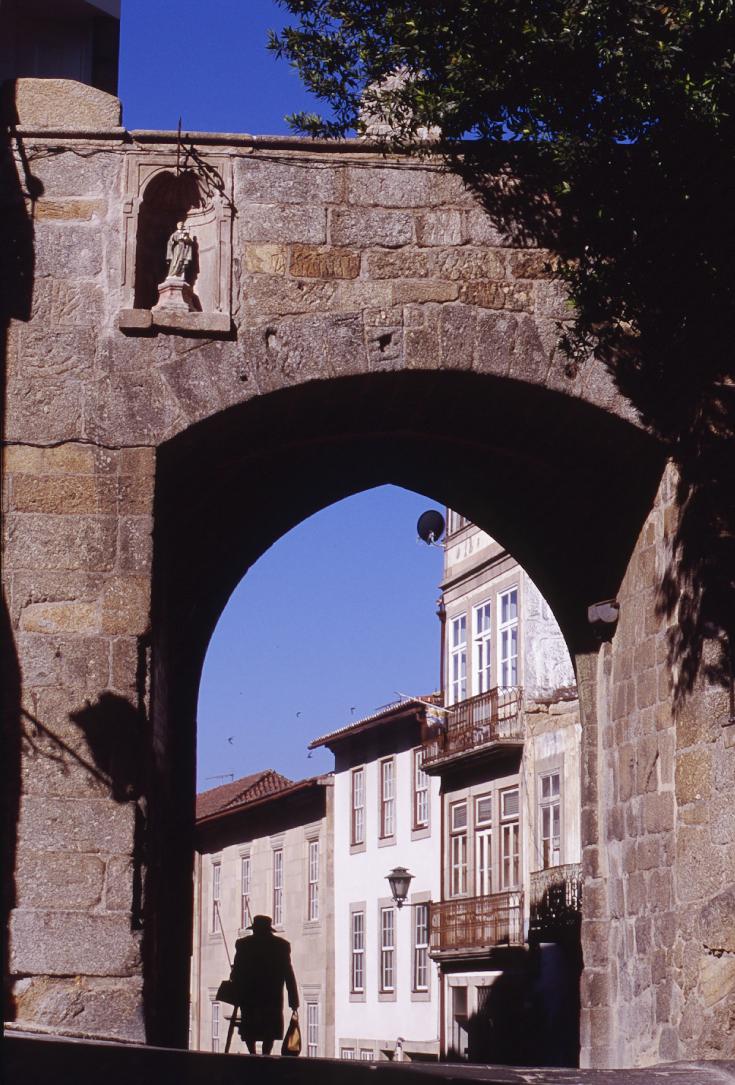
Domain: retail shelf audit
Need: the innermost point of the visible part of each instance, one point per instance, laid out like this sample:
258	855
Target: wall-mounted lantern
399	881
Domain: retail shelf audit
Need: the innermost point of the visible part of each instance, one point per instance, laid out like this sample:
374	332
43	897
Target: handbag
226	993
292	1040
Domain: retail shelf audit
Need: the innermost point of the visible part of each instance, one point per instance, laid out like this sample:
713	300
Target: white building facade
387	815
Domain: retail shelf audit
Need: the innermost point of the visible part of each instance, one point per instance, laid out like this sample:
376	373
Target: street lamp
399	880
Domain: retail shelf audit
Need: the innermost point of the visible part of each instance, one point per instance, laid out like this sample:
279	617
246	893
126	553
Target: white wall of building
375	1022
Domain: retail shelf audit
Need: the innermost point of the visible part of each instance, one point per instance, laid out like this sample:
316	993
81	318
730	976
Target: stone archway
372	325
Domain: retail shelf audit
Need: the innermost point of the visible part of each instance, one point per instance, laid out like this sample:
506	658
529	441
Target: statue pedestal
175	293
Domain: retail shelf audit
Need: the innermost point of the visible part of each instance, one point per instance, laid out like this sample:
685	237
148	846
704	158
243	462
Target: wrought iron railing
555	901
477	923
492	717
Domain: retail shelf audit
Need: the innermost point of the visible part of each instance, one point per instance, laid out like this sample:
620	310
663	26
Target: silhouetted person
262	966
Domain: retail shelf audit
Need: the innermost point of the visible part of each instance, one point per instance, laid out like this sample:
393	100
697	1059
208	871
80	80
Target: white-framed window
458	849
387	949
358	806
312	1029
215	1027
366	1054
510	848
550	818
457	659
245	881
387	798
421	947
347	1052
482	647
313	888
216	895
420	791
357	954
278	887
508	637
483	845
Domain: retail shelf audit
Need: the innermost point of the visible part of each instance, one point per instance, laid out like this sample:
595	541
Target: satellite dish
430	526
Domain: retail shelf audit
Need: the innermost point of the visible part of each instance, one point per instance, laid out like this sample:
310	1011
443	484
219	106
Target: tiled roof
256	786
373	719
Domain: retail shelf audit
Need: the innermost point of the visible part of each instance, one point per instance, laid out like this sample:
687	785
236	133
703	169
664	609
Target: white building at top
386	815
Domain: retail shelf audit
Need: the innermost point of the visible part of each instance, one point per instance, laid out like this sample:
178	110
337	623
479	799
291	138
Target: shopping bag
226	993
292	1040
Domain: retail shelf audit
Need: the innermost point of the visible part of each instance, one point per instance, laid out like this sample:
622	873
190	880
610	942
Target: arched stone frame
211	222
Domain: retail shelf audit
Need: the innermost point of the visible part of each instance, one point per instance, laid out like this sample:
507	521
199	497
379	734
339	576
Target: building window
483	846
550	818
458	659
216	891
508	637
278	887
387	798
312	1029
358	806
455	521
357	969
313	893
245	870
366	1054
421	947
387	949
510	858
481	647
215	1027
420	791
347	1052
458	849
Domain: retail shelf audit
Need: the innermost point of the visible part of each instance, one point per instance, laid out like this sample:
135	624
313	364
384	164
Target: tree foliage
604	130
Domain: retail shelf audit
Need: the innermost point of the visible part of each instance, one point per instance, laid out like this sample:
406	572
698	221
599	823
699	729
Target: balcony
472	925
556	903
477	726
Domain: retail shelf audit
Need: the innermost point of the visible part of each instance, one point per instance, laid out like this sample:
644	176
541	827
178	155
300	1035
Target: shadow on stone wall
16	290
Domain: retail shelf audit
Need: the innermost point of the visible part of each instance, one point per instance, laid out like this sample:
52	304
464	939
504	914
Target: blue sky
340	613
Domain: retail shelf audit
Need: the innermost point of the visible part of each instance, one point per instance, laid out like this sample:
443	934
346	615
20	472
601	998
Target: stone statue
179	252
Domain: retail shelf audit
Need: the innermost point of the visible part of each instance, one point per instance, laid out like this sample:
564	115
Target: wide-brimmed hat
261	923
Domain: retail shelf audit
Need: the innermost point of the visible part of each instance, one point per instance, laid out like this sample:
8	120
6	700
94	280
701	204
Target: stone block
55	880
420	291
693	772
78	494
481	229
274	295
67	617
595	936
124	665
389	186
716	923
466	264
626	772
118	410
126	605
299	182
659	812
76	825
531	264
643	932
65	459
44	409
46	542
135	493
68	173
65	103
647	777
109	1008
67	249
458	329
281	225
698	864
308	261
266	259
119	884
135	544
716	979
439	228
69	943
361	228
646	689
384	347
69	209
668	1044
497	295
595	988
67	303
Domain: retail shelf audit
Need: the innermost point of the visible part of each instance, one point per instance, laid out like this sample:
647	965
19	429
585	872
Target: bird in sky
231	739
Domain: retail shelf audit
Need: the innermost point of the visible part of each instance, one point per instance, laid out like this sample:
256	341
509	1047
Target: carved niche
160	193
